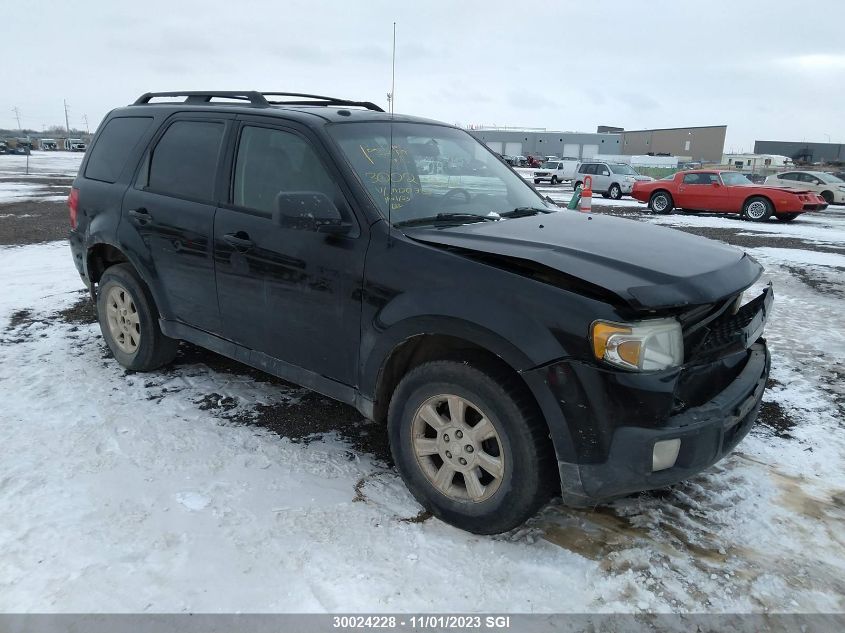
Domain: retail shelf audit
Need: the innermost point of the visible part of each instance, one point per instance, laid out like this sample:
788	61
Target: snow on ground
125	492
41	164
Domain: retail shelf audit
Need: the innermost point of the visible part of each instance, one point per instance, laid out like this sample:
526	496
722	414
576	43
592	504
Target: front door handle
239	240
142	215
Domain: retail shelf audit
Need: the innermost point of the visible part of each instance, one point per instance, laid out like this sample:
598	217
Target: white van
556	171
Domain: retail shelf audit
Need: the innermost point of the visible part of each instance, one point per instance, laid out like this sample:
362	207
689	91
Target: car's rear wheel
757	209
129	321
786	217
828	196
661	202
470	446
615	192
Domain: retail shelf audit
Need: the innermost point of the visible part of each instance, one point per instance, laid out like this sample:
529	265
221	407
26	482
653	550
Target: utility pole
18	117
67	124
85	118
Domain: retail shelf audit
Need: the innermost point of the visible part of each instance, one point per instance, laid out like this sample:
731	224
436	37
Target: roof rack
256	98
319	100
205	96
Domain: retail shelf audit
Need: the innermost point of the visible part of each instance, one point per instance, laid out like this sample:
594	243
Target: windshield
549	165
623	169
733	178
829	178
435	170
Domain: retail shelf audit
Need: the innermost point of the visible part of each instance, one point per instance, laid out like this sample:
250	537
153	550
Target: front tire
757	209
828	196
554	180
470	446
661	202
536	181
129	321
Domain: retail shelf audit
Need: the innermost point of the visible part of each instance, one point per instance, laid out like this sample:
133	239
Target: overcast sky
768	69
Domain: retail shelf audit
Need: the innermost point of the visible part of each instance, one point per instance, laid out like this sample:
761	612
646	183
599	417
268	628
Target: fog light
664	455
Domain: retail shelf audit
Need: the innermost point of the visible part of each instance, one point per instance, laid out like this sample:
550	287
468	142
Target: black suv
515	351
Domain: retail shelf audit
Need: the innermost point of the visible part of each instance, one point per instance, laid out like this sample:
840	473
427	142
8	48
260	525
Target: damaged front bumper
617	433
707	434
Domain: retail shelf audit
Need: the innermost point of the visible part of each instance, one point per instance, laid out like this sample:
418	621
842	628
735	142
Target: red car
726	192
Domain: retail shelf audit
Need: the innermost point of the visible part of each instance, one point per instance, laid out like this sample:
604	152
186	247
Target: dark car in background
513	350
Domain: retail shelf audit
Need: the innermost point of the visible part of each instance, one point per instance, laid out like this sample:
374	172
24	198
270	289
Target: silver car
611	180
828	186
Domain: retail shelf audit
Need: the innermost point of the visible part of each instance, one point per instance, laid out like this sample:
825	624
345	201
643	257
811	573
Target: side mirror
309	211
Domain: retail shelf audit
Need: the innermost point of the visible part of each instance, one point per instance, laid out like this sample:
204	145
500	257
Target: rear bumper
707	433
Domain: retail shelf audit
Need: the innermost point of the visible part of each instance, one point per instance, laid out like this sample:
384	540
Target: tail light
73	206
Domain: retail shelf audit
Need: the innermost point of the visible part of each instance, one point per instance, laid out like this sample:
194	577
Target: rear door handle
239	240
142	215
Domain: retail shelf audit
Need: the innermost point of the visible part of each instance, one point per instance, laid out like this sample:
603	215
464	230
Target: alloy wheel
756	210
458	448
123	319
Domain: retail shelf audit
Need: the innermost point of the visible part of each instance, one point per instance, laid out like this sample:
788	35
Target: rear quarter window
113	147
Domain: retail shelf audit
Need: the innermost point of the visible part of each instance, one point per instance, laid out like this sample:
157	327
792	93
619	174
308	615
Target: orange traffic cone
585	205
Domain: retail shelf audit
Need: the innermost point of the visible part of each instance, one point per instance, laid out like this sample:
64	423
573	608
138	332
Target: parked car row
828	186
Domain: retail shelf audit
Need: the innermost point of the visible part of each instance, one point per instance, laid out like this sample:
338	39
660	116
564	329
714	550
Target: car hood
645	266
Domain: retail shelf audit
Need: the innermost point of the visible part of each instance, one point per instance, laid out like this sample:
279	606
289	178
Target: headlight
641	346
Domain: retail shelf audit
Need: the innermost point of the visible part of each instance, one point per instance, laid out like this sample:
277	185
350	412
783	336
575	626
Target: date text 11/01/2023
437	622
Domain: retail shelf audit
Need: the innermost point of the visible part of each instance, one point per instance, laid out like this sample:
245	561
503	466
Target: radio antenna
393	72
390	98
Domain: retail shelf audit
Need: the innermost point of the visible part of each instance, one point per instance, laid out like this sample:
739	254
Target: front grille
732	332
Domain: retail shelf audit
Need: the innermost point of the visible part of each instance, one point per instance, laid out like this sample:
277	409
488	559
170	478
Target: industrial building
533	142
803	152
705	143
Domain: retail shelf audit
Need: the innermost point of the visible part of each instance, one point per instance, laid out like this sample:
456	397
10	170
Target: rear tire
615	192
661	202
757	209
786	217
129	321
828	196
446	411
555	180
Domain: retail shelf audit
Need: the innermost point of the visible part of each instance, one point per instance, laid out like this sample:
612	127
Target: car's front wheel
661	202
536	181
828	196
757	209
470	446
555	180
615	192
129	321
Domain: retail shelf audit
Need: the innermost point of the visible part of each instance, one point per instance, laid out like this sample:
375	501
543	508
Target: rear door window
184	162
114	145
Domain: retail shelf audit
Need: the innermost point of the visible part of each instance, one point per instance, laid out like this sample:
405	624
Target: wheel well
656	191
830	193
424	348
100	257
758	195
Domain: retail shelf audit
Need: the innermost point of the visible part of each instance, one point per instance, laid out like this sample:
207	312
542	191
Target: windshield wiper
448	218
524	212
